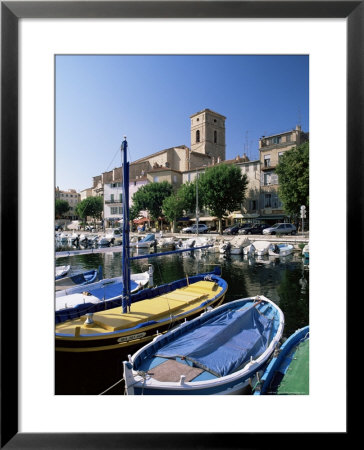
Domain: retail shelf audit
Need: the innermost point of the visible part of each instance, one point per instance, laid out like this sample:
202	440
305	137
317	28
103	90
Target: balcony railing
113	202
270	167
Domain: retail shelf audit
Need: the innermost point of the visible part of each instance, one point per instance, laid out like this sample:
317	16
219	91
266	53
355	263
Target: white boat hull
280	250
77	295
139	381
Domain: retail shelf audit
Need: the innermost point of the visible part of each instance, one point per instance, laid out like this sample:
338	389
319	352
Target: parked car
232	230
202	228
256	228
237	228
281	228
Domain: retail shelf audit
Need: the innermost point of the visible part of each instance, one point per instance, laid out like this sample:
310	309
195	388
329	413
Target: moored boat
238	243
214	246
79	299
152	311
306	251
186	243
219	352
260	248
61	271
202	242
288	371
224	247
73	238
104	240
63	237
146	242
166	243
249	250
234	246
280	249
114	235
77	279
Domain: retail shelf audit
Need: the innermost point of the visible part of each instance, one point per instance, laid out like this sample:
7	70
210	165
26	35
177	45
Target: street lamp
303	215
197	210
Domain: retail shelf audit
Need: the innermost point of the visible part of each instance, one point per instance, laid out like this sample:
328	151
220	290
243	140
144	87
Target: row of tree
221	189
89	207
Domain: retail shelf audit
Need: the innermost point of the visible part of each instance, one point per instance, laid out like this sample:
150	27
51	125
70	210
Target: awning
205	219
236	216
243	216
273	216
142	220
183	219
251	216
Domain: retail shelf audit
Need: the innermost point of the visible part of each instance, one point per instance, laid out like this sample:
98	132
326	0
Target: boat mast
126	249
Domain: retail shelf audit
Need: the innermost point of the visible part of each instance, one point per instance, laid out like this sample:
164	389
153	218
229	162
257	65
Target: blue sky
150	99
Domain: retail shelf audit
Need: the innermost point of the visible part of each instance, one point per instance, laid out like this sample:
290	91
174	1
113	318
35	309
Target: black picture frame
11	12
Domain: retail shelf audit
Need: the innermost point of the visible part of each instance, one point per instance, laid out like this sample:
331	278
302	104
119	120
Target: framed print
31	30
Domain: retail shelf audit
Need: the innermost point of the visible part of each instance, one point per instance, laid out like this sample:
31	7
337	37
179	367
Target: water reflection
284	280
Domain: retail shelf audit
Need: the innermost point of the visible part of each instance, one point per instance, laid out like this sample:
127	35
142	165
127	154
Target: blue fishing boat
288	371
77	279
220	352
130	319
146	242
71	301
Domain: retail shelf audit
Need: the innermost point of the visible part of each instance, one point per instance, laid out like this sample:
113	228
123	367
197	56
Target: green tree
222	189
293	174
90	207
187	193
150	197
173	207
61	208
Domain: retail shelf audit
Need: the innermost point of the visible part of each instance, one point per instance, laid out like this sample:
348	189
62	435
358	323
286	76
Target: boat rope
108	389
116	153
258	384
143	375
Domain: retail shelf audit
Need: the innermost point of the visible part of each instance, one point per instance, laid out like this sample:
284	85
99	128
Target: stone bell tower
208	134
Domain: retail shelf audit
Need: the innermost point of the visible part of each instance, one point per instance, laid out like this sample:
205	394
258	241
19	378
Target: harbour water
283	280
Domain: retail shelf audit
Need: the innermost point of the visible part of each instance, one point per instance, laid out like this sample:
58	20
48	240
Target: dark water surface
285	281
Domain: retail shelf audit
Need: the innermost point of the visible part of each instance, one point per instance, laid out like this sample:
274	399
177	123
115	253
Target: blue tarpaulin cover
147	238
111	290
82	278
224	343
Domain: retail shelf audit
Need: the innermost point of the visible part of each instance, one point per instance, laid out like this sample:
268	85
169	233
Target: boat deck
296	372
167	369
175	302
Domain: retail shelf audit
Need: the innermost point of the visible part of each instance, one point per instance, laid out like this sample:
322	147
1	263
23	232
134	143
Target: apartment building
271	148
72	198
250	208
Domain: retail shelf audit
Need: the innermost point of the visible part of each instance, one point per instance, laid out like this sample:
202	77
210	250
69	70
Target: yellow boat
154	311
